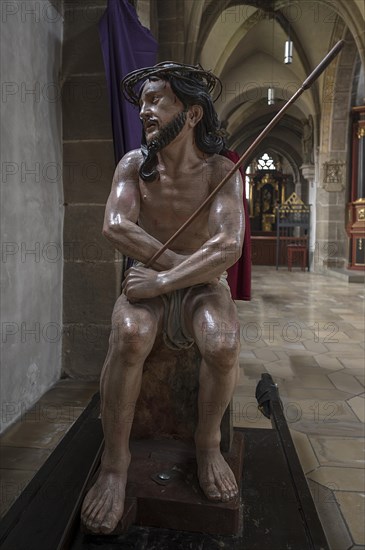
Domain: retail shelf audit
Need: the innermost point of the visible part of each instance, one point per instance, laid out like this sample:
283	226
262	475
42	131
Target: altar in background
269	182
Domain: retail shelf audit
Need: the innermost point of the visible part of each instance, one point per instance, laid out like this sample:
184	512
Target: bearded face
168	89
162	114
165	135
164	117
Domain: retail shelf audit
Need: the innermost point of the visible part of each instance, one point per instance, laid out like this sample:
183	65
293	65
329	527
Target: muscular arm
223	248
121	215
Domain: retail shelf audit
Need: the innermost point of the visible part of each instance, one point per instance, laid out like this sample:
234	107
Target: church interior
304	321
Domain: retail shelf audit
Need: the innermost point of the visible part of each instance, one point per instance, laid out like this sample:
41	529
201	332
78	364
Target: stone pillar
308	172
330	210
171	30
298	188
147	14
91	271
332	239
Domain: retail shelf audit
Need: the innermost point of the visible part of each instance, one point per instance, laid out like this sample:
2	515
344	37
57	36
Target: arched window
265	163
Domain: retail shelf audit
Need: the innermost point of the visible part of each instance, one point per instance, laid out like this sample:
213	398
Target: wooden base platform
277	508
177	502
271	513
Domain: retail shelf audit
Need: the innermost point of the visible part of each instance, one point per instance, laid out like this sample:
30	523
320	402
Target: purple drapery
126	46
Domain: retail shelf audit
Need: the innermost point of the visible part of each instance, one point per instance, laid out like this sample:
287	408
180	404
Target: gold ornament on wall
361	129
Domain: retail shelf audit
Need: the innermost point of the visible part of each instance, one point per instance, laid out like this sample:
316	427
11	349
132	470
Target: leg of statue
134	330
215	327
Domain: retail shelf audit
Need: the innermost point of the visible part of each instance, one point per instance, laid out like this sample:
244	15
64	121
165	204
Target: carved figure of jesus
154	191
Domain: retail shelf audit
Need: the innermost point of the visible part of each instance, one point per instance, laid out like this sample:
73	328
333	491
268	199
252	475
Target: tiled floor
307	331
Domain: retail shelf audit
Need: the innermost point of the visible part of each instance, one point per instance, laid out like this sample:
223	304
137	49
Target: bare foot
104	503
215	476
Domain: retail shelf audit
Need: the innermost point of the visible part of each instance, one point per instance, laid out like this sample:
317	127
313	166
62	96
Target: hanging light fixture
271	96
288	53
271	90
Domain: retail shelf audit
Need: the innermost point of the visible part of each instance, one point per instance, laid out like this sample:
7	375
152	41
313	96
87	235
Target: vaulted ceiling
243	43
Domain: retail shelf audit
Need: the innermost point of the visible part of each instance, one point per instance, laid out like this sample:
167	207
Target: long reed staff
306	84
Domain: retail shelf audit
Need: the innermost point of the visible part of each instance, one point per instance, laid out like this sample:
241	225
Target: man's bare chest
171	202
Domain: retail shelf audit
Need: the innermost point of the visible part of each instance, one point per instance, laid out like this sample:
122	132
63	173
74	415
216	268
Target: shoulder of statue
128	166
134	156
220	167
131	160
222	162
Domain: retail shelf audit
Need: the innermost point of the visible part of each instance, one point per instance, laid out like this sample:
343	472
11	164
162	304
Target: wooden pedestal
177	503
167	405
277	512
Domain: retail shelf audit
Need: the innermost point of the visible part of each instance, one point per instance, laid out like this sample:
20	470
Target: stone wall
32	203
91	270
171	30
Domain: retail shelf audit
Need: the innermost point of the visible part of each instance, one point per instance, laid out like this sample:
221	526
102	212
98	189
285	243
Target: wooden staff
306	84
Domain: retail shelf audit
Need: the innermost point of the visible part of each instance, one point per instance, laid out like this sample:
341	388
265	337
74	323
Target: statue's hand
141	283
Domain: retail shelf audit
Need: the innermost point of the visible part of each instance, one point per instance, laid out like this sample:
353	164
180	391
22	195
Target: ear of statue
195	114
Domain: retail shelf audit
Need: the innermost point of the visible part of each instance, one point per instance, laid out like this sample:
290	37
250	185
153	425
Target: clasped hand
141	283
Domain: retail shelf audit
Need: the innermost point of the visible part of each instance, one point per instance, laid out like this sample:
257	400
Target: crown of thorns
169	68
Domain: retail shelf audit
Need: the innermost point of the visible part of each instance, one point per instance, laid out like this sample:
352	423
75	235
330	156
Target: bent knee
222	354
133	335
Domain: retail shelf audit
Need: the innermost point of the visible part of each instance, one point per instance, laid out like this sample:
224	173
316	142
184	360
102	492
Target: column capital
308	172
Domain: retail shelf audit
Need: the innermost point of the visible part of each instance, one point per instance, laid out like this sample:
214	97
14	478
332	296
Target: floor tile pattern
307	331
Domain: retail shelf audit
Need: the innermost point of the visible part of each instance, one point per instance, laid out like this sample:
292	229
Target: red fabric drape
239	275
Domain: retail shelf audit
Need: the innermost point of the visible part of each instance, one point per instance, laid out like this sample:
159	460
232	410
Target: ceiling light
288	55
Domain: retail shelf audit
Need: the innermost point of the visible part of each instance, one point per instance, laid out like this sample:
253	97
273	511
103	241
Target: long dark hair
190	90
